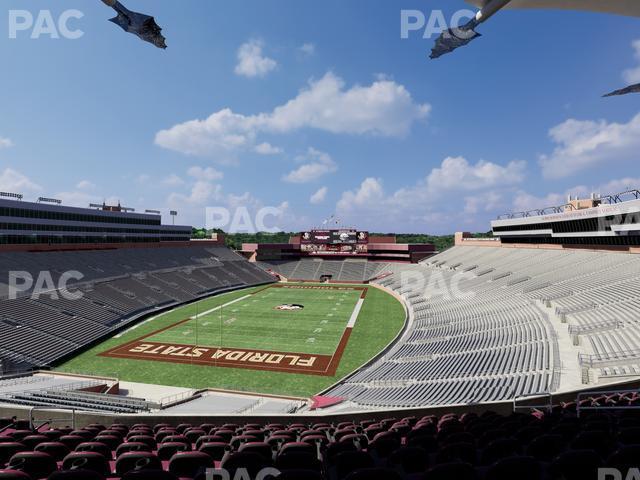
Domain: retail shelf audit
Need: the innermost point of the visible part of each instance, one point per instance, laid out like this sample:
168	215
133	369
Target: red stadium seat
97	447
169	449
450	471
216	450
9	449
132	447
93	461
76	475
36	464
189	464
137	461
14	475
56	449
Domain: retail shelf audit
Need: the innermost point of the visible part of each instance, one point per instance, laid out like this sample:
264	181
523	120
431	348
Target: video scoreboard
334	242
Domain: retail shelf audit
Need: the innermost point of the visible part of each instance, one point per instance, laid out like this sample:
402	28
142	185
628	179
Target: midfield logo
290	307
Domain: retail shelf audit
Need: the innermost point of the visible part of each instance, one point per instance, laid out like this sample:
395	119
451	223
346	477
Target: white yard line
220	306
356	312
138	325
173	309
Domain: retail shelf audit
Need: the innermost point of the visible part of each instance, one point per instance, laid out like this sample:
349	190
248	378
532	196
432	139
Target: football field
285	328
282	339
282	319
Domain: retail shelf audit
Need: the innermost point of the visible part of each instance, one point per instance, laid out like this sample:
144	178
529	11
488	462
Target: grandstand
506	323
117	278
118	287
553	444
348	270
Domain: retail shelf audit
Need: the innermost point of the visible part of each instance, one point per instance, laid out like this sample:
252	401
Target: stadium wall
83	419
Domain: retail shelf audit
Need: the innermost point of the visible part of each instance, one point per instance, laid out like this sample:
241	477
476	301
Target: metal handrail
586	360
33	410
609	199
547	406
581	396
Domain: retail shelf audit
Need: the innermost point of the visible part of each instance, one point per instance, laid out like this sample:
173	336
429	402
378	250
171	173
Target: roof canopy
620	7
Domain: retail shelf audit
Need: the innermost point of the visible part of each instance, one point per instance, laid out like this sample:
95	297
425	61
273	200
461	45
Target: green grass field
256	325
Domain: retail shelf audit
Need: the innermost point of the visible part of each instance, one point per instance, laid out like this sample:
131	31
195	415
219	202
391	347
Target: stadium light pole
221	306
197	324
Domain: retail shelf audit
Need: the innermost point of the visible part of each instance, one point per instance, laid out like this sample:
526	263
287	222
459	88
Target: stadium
343	334
477	320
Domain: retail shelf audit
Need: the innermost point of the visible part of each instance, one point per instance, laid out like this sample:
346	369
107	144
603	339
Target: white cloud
267	149
173	180
5	143
369	193
244	209
201	192
618	186
318	165
434	203
319	196
524	201
83	199
458	173
632	75
485	202
222	132
584	144
384	108
15	182
251	61
203	189
307	49
85	185
209	173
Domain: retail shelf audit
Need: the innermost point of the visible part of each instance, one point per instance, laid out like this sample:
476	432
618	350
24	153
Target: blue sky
319	108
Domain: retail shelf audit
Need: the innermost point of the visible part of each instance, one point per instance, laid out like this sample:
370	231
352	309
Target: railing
170	400
617	198
609	199
546	406
52	421
251	408
606	359
585	395
67	387
602	326
537	212
22	380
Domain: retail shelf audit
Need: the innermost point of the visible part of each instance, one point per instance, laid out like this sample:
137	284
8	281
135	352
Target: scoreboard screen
335	237
334	242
